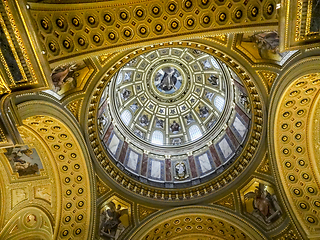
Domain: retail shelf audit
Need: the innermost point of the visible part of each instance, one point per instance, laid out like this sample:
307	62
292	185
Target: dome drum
174	117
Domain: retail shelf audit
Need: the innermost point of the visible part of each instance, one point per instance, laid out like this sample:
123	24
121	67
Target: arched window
194	132
215	63
219	103
126	117
157	137
119	79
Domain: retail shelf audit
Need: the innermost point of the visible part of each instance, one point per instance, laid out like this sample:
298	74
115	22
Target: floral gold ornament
123	15
75	21
91	20
60	23
238	14
45	24
222	17
206	19
270	9
81	41
254	11
172	7
139	13
96	38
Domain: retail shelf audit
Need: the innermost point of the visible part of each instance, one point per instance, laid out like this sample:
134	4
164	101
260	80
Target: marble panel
205	163
107	135
168	170
242	114
215	156
133	160
225	148
114	144
156	169
239	126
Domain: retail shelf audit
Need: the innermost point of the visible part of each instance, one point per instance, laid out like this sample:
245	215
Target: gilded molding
228	202
75	107
144	212
268	78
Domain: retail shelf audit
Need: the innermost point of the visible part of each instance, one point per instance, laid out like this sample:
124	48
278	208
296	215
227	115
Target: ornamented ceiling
60	62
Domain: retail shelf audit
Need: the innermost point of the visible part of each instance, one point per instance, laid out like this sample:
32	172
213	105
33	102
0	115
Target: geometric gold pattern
74	215
299	170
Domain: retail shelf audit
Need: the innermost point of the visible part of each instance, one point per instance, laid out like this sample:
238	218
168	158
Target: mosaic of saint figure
203	112
65	74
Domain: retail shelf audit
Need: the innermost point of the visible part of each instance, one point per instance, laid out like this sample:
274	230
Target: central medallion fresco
168	80
174	116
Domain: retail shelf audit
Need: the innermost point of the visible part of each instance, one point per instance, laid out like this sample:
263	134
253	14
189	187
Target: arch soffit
291	141
37	115
202	217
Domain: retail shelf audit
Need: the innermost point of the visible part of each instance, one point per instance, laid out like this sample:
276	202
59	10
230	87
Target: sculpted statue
189	118
110	221
159	123
134	107
265	205
244	101
181	171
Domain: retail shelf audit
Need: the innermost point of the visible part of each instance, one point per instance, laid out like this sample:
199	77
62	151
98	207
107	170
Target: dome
175	116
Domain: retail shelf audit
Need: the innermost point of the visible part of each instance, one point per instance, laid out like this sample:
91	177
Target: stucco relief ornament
265	205
181	171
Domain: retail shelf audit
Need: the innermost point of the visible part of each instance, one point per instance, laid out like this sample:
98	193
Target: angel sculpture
110	221
265	205
64	74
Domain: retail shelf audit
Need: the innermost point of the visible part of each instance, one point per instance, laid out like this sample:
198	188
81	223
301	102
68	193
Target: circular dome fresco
173	117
